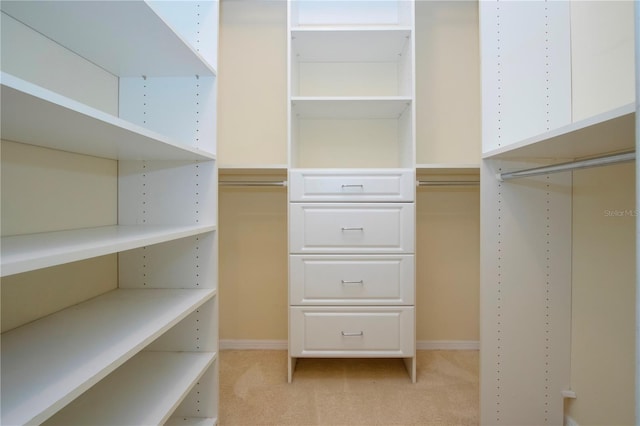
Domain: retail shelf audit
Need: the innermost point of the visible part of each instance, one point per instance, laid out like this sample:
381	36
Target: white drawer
348	185
356	331
351	280
351	228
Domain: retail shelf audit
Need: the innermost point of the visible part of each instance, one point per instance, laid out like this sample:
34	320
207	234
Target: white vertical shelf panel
127	38
48	363
524	42
144	188
184	263
203	400
183	108
135	393
526	297
195	21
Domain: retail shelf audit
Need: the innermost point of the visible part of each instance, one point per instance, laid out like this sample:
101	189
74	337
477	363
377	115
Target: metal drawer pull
361	282
353	229
353	186
352	334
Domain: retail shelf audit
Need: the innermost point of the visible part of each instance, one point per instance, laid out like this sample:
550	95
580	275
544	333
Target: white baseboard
278	345
281	345
568	421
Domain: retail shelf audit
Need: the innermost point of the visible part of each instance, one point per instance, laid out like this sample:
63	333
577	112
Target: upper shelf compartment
351	62
609	132
37	116
350	12
127	38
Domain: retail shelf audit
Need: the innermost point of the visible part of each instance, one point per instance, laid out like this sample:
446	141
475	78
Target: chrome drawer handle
353	186
361	282
352	334
352	229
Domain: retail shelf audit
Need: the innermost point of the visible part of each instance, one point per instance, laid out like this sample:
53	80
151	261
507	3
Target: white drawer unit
352	228
351	180
387	185
357	331
351	280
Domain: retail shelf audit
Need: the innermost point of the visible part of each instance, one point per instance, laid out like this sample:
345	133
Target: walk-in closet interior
330	179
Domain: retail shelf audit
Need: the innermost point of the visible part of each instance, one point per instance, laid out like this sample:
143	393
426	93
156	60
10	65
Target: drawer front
358	186
351	280
336	332
351	228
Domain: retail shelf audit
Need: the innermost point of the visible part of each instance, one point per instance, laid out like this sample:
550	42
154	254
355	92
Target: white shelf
351	44
349	107
49	362
23	253
609	132
127	38
135	394
37	116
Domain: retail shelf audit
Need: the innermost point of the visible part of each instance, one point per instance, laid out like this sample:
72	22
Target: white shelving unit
527	253
351	139
146	352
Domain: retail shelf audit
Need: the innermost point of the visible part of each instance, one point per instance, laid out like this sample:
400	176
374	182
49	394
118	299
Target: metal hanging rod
279	183
447	183
572	165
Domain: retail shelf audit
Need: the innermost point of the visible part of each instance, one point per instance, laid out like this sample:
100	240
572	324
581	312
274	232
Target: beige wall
448	264
602	59
603	296
253	263
252	131
252	89
447	82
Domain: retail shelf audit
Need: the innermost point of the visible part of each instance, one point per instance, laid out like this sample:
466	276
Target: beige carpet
254	390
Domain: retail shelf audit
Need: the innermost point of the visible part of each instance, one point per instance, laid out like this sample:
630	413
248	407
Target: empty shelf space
349	45
37	116
135	393
51	361
127	38
23	253
350	107
609	132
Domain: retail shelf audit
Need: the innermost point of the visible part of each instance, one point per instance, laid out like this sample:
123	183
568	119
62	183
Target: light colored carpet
254	390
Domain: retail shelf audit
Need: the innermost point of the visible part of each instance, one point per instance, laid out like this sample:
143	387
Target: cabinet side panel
36	58
601	56
525	301
526	70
